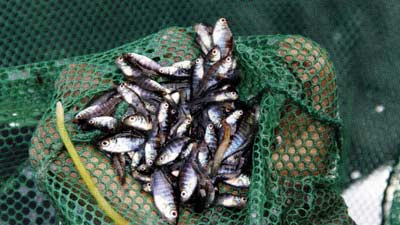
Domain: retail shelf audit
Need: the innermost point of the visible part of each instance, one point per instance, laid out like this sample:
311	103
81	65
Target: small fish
186	152
214	55
128	70
233	118
219	97
172	150
175	86
186	64
203	37
151	85
210	138
242	181
151	147
121	143
104	106
136	157
163	195
147	65
222	36
181	127
198	74
143	168
187	181
243	136
215	114
228	171
174	71
138	122
231	201
141	177
203	156
132	98
163	122
144	94
146	187
118	162
104	122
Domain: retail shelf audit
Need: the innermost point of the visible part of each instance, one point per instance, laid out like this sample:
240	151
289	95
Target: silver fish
222	36
163	195
242	181
138	122
172	150
215	114
186	64
128	70
198	74
219	97
174	71
141	177
104	122
233	118
210	137
146	187
242	137
186	152
204	155
151	85
104	106
163	122
214	55
147	65
231	201
151	148
121	143
203	37
136	157
187	181
144	94
132	98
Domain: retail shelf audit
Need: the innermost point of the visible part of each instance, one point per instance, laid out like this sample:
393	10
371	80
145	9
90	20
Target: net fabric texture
295	155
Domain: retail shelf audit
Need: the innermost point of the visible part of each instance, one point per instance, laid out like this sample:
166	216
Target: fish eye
173	111
210	126
78	116
150	163
120	58
162	158
228	59
233	93
197	61
132	118
223	20
214	51
183	193
165	105
91	122
105	143
243	199
241	112
174	213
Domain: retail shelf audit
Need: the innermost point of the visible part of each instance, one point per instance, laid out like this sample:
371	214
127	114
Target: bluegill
121	143
163	195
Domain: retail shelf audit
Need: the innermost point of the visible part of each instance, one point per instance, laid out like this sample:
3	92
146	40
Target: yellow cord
87	179
219	154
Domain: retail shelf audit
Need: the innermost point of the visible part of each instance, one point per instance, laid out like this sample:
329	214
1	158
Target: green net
294	158
302	182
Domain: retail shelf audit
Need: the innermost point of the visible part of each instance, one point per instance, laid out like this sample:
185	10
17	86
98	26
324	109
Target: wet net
297	175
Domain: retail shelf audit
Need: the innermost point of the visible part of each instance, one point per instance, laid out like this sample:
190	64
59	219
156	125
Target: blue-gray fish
138	122
241	181
104	106
203	37
129	71
171	150
187	181
104	122
210	137
163	195
222	36
146	64
231	201
121	143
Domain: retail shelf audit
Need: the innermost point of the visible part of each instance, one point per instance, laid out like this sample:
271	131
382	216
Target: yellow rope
87	179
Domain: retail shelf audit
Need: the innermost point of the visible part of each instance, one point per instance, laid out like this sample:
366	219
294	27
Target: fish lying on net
185	134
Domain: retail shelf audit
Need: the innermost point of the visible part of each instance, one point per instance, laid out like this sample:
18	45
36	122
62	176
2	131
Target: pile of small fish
184	134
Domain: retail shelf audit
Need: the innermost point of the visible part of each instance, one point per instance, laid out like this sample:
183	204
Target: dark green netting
360	36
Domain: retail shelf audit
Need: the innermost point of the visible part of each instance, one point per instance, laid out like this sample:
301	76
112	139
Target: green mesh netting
294	158
361	38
